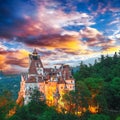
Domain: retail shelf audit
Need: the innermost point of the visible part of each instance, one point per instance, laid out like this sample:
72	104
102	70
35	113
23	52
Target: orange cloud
111	50
10	60
3	66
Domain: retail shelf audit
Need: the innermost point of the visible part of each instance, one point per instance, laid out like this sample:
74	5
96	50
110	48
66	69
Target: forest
96	96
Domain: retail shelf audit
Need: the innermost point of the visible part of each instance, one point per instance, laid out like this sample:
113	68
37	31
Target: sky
62	31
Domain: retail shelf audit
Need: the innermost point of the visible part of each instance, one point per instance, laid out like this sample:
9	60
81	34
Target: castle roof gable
31	79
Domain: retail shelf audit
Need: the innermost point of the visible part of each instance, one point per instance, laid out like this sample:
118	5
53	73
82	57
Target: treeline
106	67
103	83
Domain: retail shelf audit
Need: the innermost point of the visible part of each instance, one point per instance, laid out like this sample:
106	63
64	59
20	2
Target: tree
49	114
77	101
6	104
99	117
21	113
37	96
84	71
118	118
37	104
112	92
33	109
96	87
115	58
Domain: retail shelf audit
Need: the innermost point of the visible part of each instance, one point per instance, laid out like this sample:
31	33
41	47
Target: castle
52	82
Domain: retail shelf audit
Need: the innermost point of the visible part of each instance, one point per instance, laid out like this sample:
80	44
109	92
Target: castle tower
35	75
51	82
35	64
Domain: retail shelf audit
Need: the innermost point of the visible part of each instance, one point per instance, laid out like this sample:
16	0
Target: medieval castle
49	81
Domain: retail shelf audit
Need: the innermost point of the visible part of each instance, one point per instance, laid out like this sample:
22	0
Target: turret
35	64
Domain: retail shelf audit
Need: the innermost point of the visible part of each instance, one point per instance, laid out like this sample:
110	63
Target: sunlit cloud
9	60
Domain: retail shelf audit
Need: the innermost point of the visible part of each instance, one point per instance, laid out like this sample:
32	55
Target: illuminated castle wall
50	81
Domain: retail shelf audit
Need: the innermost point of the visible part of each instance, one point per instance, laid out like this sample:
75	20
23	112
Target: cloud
93	38
89	32
19	58
98	8
46	27
50	41
57	49
111	50
10	60
45	19
3	66
62	31
60	18
115	21
2	47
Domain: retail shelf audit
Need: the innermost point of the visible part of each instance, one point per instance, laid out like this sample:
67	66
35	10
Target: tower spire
35	63
35	52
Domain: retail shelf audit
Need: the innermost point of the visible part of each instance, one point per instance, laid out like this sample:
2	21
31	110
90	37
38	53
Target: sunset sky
63	31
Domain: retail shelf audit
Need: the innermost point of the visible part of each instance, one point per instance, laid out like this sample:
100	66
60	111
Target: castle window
70	76
37	64
35	57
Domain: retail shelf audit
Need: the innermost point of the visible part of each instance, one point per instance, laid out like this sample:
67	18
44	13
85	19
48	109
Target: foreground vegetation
97	90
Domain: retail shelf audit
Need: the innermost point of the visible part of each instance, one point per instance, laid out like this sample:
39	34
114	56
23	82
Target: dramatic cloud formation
94	38
11	59
63	31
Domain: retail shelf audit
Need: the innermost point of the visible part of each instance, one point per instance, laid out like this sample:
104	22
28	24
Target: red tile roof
61	81
31	79
50	72
32	68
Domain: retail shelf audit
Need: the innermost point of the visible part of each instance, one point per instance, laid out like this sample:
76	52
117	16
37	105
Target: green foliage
82	95
77	100
99	117
107	68
94	84
36	107
15	117
37	96
113	94
40	112
49	114
6	104
103	81
10	83
96	88
118	118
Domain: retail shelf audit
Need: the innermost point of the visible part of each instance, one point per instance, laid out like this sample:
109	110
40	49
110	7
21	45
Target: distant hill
10	83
